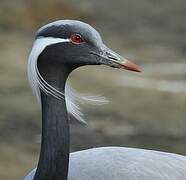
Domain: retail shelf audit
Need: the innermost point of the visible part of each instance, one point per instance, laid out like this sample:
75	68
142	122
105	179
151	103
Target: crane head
77	43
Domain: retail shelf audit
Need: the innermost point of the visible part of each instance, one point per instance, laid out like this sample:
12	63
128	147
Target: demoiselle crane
59	48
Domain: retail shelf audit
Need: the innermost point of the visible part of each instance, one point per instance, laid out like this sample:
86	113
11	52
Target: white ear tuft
74	99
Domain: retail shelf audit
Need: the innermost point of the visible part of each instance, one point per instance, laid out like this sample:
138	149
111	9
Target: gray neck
54	155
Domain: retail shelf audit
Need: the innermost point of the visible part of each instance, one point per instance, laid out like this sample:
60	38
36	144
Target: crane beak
110	58
128	65
118	61
123	63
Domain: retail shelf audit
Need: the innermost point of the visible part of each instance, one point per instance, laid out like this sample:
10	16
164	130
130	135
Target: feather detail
74	99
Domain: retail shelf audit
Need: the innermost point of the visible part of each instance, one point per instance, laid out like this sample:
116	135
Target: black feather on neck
54	155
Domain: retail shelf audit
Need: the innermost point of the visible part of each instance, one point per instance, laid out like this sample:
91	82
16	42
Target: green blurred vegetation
146	110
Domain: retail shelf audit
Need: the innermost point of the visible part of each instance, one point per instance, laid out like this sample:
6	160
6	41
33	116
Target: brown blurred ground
146	110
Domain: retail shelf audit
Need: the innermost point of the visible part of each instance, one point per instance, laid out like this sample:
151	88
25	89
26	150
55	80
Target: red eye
76	39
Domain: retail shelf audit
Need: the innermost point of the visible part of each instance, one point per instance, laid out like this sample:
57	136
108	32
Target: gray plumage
119	163
61	47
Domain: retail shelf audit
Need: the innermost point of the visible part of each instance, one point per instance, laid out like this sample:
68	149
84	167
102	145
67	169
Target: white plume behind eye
37	83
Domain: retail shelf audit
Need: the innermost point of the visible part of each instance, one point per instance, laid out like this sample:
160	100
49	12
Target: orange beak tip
131	66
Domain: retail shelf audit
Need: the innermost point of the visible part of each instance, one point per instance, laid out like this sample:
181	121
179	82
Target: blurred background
146	110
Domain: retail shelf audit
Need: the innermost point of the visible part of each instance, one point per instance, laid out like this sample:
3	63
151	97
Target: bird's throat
54	155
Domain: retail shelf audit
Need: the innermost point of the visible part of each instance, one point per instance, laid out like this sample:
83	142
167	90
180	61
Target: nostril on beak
112	57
